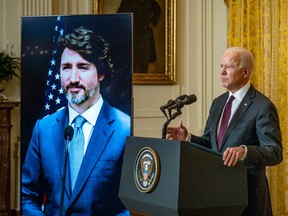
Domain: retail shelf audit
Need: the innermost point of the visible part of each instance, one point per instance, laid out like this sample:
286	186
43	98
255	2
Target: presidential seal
146	170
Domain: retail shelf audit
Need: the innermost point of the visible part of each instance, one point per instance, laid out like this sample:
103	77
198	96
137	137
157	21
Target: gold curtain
262	27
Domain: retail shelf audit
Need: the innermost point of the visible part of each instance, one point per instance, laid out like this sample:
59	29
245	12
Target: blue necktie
76	149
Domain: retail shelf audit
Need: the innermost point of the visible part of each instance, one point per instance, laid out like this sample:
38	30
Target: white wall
201	38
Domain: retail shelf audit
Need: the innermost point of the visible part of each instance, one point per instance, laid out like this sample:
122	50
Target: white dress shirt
90	115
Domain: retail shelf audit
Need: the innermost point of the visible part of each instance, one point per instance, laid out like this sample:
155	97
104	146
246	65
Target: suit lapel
243	106
97	144
60	145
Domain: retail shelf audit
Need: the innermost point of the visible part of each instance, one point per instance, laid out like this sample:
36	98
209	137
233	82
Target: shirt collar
90	114
239	95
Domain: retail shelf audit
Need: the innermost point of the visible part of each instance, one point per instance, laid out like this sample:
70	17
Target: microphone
171	102
181	97
177	104
183	100
68	135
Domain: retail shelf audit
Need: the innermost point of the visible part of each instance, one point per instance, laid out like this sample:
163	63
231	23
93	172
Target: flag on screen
54	96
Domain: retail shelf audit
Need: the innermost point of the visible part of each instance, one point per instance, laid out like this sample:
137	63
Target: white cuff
245	154
188	138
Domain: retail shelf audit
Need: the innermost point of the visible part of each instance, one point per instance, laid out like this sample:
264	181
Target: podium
184	179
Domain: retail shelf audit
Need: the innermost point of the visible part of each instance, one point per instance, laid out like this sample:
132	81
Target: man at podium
243	124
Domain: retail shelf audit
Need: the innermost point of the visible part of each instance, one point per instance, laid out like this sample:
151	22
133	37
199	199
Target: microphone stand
169	119
64	177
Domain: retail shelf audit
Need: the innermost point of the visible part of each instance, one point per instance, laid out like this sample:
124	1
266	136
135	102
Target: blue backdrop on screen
39	75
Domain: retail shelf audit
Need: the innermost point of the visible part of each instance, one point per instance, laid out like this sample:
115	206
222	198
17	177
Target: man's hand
232	154
177	133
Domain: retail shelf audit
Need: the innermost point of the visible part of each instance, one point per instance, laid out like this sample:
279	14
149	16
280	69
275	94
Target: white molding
148	114
219	39
36	7
215	34
207	79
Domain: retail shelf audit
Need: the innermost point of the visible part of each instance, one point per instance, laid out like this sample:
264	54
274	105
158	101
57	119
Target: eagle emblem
147	169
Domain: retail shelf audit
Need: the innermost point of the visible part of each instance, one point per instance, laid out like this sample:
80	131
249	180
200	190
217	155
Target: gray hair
246	57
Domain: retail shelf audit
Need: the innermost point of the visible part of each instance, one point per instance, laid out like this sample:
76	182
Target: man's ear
101	77
246	72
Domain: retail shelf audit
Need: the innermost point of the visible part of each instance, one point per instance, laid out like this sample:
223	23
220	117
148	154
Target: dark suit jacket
256	125
96	189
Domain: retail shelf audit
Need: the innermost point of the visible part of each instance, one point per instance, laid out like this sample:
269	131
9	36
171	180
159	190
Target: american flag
54	96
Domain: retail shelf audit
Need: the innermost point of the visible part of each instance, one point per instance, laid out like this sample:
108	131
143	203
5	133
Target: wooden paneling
5	152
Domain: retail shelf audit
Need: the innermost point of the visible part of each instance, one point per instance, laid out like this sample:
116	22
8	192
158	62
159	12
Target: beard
80	97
